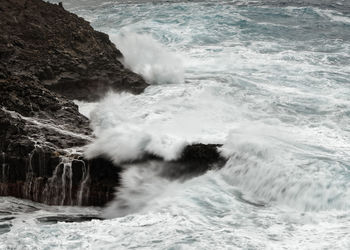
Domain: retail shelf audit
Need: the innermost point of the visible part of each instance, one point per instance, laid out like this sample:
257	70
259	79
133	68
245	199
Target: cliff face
47	57
61	50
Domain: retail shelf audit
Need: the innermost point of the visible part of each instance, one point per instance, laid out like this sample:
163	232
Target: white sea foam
334	16
272	172
262	168
144	55
160	121
128	144
85	108
141	190
275	94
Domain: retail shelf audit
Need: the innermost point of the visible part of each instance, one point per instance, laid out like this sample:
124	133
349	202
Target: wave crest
149	58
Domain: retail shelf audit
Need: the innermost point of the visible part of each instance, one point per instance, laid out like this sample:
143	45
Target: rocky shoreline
49	57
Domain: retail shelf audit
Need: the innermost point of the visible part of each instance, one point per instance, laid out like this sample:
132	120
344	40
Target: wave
160	121
261	171
149	58
278	173
141	190
125	144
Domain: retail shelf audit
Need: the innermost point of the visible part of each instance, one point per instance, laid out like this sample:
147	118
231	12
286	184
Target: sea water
270	80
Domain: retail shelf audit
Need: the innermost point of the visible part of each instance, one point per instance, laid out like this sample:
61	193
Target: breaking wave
149	58
270	84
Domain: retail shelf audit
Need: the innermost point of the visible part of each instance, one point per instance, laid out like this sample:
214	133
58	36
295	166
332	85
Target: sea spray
273	81
141	186
271	172
149	58
161	121
262	170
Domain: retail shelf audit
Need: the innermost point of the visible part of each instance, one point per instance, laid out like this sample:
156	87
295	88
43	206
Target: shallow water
267	79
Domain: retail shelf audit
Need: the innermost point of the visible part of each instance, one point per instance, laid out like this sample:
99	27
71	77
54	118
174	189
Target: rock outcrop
61	50
48	57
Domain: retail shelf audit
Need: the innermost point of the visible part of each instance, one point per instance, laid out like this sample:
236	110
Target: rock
49	56
195	160
62	51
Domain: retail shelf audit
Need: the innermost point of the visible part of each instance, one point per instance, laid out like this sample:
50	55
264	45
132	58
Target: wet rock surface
61	50
67	219
195	160
48	57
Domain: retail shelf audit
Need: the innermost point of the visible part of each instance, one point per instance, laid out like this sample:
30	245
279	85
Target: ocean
270	80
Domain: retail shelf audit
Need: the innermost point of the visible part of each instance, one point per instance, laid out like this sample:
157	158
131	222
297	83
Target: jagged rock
38	130
49	56
61	50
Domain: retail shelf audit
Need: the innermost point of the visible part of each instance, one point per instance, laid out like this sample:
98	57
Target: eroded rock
49	56
61	50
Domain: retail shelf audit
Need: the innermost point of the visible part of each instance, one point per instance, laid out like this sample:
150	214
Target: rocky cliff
61	50
49	57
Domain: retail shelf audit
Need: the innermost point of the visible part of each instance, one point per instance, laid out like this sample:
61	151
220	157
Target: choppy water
269	80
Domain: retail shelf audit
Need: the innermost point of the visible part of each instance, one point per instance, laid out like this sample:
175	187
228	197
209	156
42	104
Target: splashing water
269	82
147	57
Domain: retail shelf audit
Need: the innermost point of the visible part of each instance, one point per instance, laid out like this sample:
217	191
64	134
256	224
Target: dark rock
61	50
195	160
48	56
199	153
67	219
